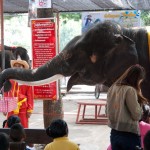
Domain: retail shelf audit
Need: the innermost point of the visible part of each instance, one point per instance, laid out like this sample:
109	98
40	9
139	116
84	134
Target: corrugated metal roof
16	6
21	6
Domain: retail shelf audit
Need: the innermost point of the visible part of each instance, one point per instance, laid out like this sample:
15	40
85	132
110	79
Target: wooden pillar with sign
52	109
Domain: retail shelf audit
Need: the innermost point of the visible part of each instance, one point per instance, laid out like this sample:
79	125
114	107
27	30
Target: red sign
44	49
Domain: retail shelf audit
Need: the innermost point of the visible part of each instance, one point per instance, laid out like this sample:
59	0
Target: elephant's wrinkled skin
12	53
98	56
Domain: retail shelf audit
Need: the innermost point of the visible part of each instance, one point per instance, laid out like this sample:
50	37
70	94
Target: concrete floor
90	137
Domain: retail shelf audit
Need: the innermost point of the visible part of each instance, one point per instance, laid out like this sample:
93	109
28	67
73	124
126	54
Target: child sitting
58	130
4	141
17	133
10	121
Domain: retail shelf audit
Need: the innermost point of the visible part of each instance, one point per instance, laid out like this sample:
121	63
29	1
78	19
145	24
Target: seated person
12	120
17	133
58	130
4	141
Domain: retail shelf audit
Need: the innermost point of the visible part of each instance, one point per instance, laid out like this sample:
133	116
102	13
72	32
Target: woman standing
124	109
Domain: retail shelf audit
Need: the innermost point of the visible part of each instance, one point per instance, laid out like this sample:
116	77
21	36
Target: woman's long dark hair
133	76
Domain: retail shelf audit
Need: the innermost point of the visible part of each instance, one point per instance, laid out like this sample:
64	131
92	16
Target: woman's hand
28	114
5	113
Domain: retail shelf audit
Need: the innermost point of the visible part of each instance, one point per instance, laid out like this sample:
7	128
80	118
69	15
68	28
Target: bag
8	104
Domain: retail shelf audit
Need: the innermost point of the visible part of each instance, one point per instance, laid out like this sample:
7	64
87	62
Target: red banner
44	49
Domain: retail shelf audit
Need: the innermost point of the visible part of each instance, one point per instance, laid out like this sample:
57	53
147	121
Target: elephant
98	56
13	52
8	56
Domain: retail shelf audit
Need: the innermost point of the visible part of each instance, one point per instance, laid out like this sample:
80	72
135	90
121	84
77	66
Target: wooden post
51	109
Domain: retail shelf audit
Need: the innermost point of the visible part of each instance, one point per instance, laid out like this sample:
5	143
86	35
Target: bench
17	146
35	136
99	118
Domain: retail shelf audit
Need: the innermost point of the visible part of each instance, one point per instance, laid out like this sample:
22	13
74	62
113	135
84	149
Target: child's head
58	128
12	120
17	133
4	141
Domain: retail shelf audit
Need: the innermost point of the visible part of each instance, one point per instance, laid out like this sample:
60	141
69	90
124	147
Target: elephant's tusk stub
41	82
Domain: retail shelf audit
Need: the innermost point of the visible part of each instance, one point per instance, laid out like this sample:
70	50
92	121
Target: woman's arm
133	105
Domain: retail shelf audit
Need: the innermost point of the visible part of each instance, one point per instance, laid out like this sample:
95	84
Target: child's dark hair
4	123
147	141
58	128
17	133
12	120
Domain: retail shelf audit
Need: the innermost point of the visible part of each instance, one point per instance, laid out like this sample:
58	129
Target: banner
129	18
44	49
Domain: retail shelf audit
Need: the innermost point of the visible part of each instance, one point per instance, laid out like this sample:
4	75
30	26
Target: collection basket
8	104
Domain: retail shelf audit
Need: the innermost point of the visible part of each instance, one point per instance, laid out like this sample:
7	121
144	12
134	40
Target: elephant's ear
124	52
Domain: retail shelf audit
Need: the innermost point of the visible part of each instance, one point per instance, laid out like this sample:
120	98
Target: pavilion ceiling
21	6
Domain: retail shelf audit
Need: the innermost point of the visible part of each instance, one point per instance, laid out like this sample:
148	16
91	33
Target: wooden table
99	118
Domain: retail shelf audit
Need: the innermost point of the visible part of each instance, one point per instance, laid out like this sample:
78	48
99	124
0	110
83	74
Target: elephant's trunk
55	68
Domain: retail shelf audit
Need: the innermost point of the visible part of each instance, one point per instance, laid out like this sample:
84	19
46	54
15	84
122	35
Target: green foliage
70	16
145	16
70	26
68	31
17	32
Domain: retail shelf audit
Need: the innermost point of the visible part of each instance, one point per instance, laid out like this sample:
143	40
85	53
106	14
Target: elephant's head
17	51
98	56
11	53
